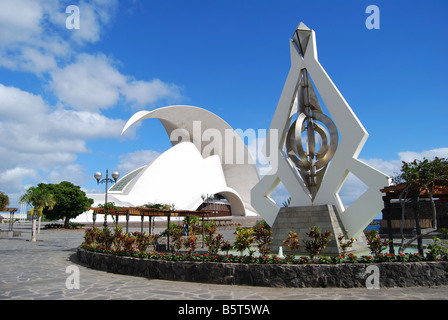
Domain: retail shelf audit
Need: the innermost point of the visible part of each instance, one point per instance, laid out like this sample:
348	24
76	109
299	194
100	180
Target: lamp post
206	198
98	176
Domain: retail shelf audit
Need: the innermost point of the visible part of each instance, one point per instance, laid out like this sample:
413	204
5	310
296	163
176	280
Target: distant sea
374	225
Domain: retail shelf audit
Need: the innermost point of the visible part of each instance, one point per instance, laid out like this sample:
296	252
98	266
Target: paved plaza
41	271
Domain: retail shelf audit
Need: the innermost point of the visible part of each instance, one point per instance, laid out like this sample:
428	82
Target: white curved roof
239	173
179	175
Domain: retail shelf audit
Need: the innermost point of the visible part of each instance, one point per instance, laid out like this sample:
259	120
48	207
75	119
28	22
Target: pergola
11	217
394	192
151	212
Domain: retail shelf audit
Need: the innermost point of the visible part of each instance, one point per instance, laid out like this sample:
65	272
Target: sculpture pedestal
301	219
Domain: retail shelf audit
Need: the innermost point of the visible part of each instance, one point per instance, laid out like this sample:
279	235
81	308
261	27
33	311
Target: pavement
48	270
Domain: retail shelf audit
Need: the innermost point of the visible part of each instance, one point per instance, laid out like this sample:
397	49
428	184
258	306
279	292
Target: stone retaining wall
345	275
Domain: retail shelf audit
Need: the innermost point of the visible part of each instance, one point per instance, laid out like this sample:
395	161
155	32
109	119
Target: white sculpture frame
353	136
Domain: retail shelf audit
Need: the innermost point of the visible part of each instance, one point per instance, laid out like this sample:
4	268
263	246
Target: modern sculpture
315	155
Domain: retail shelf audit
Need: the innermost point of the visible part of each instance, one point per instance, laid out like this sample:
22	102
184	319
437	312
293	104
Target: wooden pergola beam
137	211
393	192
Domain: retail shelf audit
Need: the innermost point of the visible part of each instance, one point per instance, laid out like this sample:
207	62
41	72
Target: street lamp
98	176
207	197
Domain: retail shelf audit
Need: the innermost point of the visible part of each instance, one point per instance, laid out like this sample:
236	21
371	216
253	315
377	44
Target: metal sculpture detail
312	162
315	154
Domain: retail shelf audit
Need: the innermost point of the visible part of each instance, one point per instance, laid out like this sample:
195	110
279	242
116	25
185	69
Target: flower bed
135	254
265	271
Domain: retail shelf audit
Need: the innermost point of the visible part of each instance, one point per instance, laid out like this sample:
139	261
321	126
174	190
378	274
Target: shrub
212	240
375	243
74	225
401	257
303	260
119	238
318	241
244	238
437	251
143	240
263	237
386	257
91	236
194	225
292	242
176	232
105	238
128	242
345	244
414	257
337	259
367	259
191	242
351	258
325	260
226	246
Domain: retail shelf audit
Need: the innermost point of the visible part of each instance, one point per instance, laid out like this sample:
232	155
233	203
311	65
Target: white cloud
353	187
131	161
33	33
41	140
73	172
144	93
12	179
26	41
409	156
393	167
35	61
84	124
23	15
390	168
93	83
38	140
95	15
18	105
89	84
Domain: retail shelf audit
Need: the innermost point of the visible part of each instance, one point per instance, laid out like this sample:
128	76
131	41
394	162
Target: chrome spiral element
321	138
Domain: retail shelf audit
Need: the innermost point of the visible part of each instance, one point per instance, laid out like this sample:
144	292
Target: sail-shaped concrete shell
197	125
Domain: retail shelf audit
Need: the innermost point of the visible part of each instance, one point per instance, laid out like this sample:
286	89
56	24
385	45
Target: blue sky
66	94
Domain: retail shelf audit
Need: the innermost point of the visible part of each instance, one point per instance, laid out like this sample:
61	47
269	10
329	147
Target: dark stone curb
394	274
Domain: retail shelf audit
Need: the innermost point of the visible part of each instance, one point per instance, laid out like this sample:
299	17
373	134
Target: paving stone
36	271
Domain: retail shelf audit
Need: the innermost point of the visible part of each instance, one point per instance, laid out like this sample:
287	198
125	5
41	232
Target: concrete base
301	219
10	234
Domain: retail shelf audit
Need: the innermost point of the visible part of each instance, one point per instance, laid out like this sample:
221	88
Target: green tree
71	201
4	201
421	175
287	202
39	199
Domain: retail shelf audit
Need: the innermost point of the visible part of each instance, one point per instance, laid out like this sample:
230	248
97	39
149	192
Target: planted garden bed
135	254
222	269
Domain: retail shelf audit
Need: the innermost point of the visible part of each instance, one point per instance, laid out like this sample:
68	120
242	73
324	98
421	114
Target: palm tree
287	202
39	199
